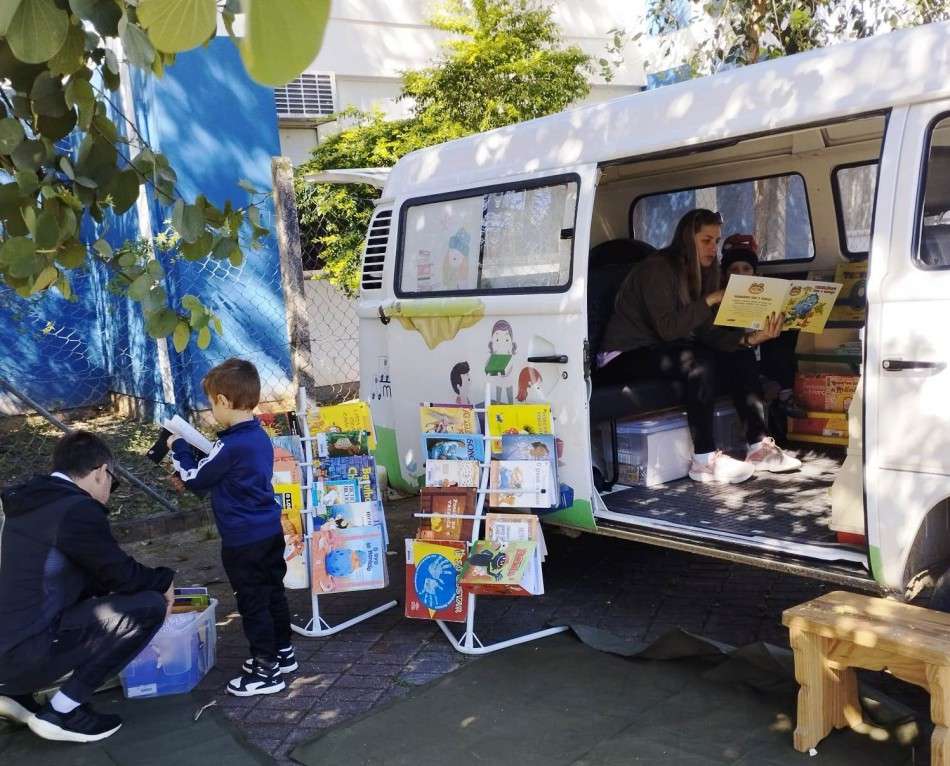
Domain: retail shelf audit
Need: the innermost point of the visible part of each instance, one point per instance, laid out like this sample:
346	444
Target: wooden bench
840	631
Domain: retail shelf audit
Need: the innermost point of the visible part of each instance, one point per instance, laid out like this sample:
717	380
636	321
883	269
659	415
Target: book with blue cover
362	468
448	446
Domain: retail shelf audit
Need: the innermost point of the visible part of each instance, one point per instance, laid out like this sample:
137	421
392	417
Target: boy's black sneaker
18	707
263	678
81	725
286	661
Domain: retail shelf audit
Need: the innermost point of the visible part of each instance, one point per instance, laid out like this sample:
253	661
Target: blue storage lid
654	425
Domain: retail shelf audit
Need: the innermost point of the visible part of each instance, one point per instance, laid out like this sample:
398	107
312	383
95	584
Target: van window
933	251
508	239
774	209
854	188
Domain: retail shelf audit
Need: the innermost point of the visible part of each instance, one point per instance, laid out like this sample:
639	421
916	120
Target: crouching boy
238	473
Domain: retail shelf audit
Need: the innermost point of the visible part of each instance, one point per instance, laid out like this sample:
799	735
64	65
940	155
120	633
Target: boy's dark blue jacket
238	472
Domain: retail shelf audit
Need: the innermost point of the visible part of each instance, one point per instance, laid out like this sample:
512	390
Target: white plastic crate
654	451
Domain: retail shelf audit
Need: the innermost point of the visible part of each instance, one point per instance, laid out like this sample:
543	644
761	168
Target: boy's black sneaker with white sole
263	678
18	707
286	661
81	725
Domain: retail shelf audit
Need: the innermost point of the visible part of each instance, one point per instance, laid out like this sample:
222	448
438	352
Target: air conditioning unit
309	99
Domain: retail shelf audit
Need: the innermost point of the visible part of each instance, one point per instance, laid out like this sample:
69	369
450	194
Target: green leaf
140	287
156	298
79	94
282	39
216	324
8	10
73	53
103	248
191	302
155	269
55	128
29	155
124	190
192	223
104	14
19	255
181	337
47	277
248	186
28	181
204	338
179	25
161	323
46	235
37	31
11	135
236	257
73	256
64	286
199	249
136	44
222	248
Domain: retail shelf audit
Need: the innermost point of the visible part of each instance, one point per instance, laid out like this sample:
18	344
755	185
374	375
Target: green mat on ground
155	731
560	702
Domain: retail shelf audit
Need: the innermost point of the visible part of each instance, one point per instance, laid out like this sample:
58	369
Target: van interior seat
610	263
935	245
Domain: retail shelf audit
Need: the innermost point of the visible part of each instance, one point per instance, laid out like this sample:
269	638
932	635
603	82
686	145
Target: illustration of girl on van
529	386
498	367
662	327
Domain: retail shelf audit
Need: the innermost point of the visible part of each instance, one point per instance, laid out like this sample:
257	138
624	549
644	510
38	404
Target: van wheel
940	597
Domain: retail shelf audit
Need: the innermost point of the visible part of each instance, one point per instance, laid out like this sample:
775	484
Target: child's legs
249	570
279	609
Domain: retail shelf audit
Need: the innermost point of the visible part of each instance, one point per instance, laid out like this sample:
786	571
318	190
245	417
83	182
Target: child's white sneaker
286	661
768	456
719	468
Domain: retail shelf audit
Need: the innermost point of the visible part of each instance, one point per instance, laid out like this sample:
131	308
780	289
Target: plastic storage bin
654	451
729	430
176	659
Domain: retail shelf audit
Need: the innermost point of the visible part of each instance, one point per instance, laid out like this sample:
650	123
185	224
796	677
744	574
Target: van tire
940	597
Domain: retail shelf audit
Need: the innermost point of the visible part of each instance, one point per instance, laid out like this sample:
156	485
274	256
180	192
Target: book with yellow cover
354	415
502	419
748	301
448	419
852	302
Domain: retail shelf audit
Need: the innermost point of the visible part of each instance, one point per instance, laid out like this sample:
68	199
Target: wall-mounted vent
375	257
310	96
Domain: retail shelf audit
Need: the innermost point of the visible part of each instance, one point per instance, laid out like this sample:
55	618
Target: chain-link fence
90	364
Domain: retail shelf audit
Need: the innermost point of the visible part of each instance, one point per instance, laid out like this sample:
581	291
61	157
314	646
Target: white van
493	240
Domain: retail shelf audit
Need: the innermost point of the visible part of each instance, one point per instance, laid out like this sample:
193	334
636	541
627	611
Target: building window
311	95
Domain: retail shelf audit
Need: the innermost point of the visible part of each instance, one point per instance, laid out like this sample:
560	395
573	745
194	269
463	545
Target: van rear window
854	188
774	210
509	239
933	251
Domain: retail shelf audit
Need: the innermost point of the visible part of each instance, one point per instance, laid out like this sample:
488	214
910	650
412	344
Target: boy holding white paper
238	472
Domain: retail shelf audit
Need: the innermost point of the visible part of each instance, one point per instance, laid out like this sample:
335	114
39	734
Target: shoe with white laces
720	469
768	456
264	678
286	661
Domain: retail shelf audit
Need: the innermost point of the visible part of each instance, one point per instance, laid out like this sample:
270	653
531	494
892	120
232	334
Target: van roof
817	86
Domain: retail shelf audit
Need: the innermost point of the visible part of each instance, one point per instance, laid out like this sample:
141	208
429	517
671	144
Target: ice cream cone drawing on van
502	348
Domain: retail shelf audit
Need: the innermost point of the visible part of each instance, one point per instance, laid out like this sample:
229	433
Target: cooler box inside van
176	659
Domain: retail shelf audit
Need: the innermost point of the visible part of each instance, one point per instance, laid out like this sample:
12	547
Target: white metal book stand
317	626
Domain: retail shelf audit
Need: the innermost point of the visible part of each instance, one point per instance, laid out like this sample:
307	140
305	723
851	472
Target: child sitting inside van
662	327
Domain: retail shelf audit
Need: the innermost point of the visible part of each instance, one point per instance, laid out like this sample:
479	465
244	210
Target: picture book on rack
349	416
452	473
327	492
433	580
292	526
279	423
362	468
342	444
512	527
288	455
448	507
453	447
448	419
532	447
521	484
347	559
503	569
530	419
349	515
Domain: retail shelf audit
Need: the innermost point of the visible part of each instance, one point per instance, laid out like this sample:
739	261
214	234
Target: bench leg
938	679
824	693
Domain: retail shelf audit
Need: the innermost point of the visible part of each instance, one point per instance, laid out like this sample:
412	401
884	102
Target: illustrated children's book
503	569
449	507
448	419
288	455
360	467
532	447
342	444
531	419
433	580
292	527
521	484
453	447
511	527
349	416
350	515
191	599
279	423
452	473
748	301
347	559
327	492
851	305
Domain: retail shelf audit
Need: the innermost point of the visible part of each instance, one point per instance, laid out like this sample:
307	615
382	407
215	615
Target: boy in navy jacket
238	473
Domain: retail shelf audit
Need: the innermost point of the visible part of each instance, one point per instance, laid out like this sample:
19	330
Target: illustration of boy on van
498	367
461	379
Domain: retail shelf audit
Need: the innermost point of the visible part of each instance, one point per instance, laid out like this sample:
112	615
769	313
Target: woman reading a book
662	327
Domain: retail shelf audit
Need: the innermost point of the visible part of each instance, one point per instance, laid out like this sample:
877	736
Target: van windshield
775	210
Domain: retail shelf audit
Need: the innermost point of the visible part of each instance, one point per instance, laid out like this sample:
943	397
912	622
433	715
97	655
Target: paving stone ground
636	591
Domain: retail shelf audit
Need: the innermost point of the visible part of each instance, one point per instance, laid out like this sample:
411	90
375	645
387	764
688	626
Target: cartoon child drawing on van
498	367
461	379
529	386
455	262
